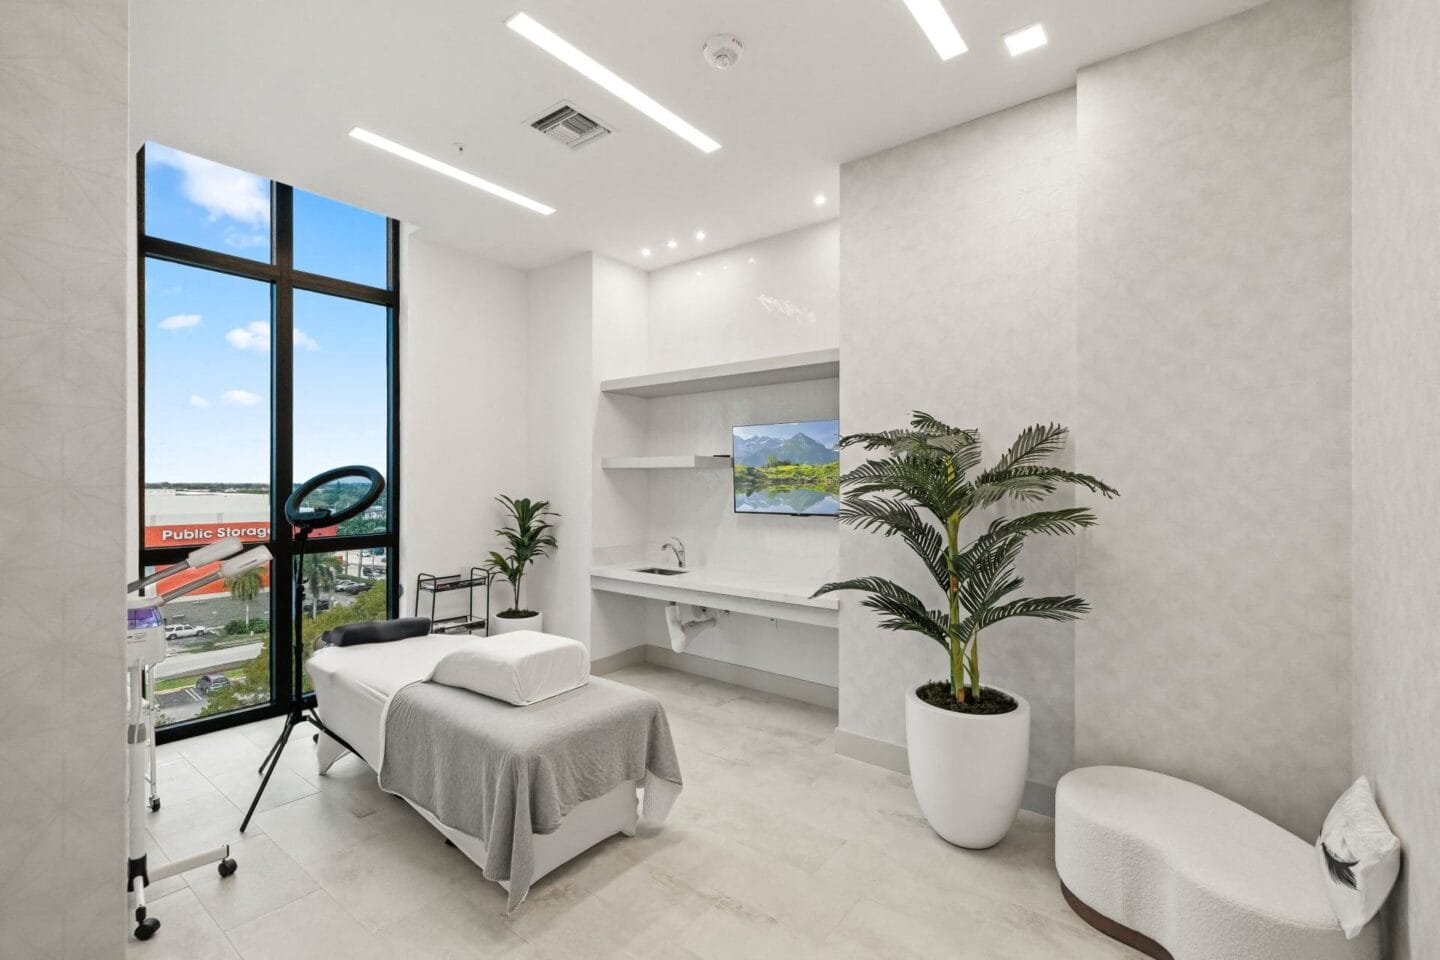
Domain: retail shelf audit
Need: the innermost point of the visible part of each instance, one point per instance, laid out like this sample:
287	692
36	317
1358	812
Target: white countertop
749	584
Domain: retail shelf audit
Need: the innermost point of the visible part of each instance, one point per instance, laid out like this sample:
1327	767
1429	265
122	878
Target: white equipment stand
144	648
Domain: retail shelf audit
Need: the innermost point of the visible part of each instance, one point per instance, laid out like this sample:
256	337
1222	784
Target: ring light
306	522
330	516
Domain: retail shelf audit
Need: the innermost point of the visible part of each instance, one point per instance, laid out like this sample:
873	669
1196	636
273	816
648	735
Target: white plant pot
968	770
499	624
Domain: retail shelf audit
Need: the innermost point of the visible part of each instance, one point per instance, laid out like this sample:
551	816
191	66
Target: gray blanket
503	773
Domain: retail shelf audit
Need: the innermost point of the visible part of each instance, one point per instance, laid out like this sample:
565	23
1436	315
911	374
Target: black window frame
284	280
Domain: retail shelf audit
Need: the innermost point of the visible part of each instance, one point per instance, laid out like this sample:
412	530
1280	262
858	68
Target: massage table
354	684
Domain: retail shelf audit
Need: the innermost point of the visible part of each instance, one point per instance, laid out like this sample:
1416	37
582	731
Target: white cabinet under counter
738	591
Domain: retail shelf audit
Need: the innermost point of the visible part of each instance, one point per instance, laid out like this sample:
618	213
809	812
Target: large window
268	354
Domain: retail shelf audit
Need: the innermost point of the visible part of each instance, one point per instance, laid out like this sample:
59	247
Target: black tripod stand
306	521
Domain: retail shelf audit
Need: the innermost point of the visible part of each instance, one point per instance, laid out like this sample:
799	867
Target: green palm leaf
919	489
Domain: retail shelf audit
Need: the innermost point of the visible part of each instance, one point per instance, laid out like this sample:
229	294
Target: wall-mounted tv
789	468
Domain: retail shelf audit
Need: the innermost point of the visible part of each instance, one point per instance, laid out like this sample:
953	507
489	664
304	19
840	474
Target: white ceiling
273	86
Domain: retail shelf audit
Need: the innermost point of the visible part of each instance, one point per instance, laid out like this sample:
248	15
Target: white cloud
198	402
241	239
221	190
180	321
243	398
256	336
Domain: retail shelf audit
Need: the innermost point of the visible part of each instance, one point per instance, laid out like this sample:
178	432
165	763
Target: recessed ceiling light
644	251
567	53
819	199
699	234
671	244
440	166
1023	41
938	27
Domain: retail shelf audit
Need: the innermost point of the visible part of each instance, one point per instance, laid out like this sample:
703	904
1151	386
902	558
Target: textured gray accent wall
1214	336
63	237
1397	442
957	296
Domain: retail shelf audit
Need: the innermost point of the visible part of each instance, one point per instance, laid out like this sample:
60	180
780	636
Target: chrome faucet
678	548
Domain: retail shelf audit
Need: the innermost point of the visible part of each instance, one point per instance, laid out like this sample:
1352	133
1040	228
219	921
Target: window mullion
282	443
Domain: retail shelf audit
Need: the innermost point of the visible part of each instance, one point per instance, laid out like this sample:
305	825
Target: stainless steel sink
662	571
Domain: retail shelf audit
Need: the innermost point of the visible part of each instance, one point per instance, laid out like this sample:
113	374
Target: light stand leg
271	762
274	749
296	716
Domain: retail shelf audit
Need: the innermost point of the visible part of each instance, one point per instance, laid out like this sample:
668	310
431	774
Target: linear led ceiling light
440	166
1023	41
938	27
588	67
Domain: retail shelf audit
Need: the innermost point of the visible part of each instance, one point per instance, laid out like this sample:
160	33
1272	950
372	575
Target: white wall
775	296
771	297
63	323
957	297
464	393
1214	334
558	421
619	500
1396	439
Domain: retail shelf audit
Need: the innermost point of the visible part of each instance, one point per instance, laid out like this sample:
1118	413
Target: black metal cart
428	583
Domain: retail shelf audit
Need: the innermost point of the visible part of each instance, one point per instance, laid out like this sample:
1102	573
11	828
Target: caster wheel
155	805
227	867
147	928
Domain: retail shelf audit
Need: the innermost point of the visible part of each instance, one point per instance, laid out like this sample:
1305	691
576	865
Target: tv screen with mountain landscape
791	468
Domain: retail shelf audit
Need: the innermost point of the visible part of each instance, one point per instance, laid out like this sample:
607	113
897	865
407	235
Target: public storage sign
199	534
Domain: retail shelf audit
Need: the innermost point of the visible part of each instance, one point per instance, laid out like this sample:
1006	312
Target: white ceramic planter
499	624
968	770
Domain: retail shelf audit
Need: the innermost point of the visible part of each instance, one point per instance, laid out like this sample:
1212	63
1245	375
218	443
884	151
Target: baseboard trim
879	753
806	691
1037	798
618	661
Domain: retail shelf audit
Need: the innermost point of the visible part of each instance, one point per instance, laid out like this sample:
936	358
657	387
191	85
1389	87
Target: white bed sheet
353	684
352	687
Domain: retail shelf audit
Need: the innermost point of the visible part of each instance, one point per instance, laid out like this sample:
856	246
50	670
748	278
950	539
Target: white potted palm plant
968	744
527	538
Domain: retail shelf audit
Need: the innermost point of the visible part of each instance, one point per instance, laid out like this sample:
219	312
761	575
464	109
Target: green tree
921	490
253	684
245	588
322	572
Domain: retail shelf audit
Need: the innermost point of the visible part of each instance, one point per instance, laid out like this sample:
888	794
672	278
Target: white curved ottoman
1181	873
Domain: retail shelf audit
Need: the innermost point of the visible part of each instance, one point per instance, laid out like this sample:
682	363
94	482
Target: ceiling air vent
569	126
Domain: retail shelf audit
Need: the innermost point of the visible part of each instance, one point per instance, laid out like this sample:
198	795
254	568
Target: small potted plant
527	538
968	744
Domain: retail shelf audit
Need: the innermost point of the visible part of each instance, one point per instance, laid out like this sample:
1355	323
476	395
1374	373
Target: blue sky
208	335
825	431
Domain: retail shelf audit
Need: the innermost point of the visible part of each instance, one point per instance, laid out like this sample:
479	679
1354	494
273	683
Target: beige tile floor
777	848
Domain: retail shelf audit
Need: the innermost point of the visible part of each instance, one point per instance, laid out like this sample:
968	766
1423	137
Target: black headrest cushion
375	631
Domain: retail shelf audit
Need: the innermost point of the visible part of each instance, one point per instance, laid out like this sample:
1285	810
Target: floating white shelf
683	462
791	368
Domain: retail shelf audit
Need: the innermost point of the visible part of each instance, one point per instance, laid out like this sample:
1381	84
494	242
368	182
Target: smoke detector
723	51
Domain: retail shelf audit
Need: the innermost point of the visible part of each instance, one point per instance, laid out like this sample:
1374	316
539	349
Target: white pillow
1359	858
522	668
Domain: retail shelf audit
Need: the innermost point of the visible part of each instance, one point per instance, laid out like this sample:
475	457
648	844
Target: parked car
350	586
211	682
185	631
